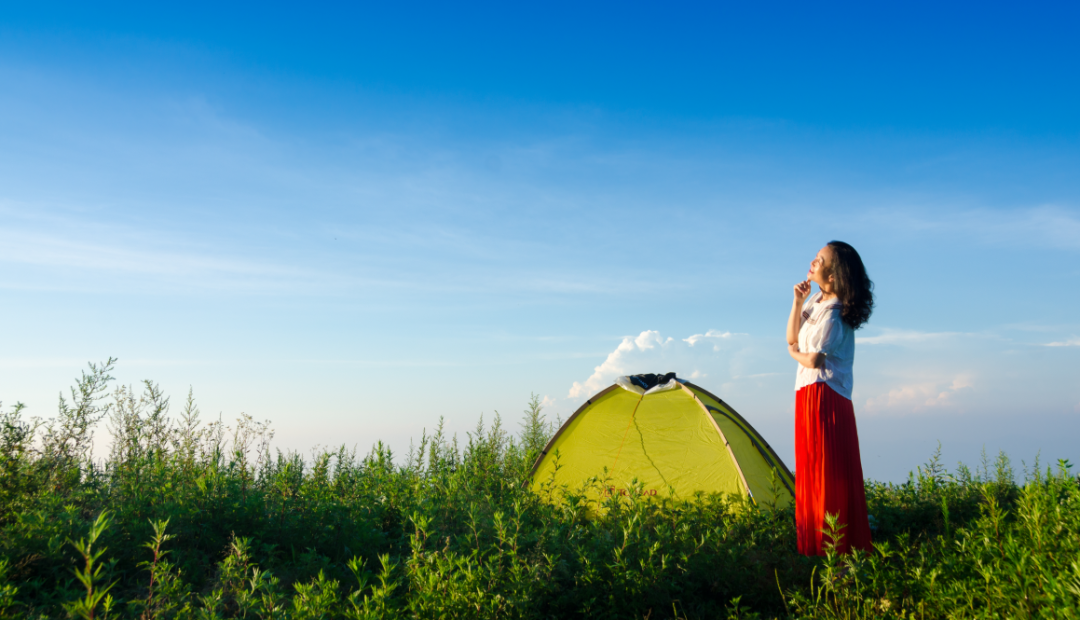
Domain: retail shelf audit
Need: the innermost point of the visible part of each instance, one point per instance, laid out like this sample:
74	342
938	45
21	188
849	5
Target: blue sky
353	221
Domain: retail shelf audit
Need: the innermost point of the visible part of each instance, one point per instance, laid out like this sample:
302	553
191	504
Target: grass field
186	519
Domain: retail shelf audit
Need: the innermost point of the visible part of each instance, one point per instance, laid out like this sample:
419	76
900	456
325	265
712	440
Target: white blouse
823	331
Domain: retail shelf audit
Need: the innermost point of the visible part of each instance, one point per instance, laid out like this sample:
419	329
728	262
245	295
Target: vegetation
185	519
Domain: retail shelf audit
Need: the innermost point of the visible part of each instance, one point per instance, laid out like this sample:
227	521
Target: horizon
354	221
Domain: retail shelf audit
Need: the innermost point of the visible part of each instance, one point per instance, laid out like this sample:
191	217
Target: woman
821	337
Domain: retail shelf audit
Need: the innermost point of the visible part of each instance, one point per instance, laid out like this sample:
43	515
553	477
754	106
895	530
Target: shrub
186	519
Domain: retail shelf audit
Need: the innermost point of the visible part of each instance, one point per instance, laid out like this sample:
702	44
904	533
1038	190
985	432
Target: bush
191	520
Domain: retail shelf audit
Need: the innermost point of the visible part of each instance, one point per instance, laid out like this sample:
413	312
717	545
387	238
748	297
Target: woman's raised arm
794	322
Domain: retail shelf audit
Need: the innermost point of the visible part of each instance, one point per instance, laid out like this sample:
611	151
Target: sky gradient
353	222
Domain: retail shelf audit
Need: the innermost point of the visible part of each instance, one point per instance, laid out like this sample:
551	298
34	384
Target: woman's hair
853	286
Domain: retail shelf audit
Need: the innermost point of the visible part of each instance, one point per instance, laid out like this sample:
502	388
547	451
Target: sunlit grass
193	520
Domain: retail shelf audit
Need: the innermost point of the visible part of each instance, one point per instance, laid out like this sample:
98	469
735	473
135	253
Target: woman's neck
826	295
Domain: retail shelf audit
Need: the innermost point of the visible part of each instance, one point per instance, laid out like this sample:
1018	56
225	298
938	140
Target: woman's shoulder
830	310
833	305
816	305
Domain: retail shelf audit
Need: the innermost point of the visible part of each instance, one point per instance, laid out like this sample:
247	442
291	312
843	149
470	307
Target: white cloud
915	397
712	334
649	351
905	336
613	366
649	339
1071	342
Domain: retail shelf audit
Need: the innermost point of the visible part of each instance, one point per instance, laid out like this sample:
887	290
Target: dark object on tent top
650	380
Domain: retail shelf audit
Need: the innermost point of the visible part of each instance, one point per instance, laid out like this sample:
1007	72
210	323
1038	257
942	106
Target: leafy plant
192	519
90	575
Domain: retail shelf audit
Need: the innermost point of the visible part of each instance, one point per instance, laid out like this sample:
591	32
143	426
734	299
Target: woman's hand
802	291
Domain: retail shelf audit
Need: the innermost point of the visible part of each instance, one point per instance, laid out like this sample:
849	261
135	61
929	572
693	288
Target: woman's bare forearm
807	360
794	322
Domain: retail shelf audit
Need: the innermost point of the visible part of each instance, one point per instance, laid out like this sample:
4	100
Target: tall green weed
193	519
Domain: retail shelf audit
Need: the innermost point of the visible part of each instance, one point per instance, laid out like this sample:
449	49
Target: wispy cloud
712	334
1048	224
1044	226
60	252
905	336
82	265
1071	342
1010	334
55	251
916	397
21	363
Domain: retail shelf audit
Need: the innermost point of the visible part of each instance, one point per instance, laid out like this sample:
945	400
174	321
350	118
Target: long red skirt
828	471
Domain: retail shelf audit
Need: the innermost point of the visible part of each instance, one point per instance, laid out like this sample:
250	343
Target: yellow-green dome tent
668	434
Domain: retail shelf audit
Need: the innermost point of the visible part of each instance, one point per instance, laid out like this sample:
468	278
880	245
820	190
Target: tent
670	435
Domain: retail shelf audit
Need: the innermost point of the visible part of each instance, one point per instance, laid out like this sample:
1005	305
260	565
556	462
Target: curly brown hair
853	287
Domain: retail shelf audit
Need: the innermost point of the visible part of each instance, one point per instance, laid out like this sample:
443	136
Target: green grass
202	520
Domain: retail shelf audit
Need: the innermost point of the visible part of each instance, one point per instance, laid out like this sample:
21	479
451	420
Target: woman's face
821	267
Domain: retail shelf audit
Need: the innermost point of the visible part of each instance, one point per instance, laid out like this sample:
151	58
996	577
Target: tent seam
731	453
754	442
748	428
626	432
